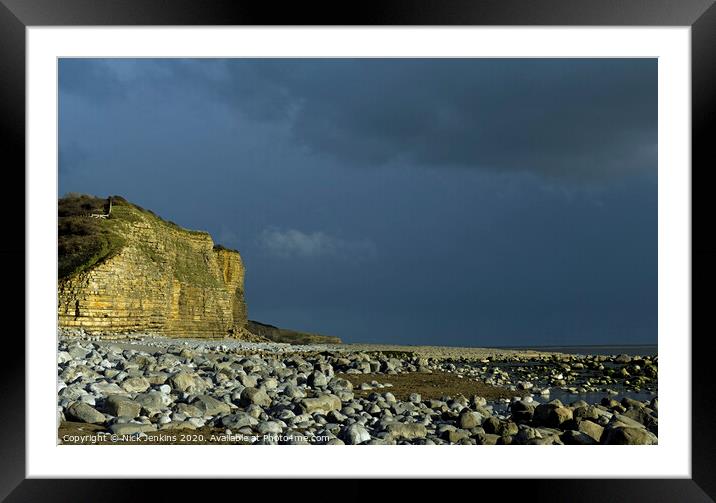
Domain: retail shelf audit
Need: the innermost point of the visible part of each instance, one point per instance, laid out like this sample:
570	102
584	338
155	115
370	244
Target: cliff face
163	280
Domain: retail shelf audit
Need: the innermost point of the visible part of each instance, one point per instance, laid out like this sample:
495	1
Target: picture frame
700	15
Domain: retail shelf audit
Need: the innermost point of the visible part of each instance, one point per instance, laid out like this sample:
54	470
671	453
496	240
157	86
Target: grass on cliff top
83	242
218	247
122	203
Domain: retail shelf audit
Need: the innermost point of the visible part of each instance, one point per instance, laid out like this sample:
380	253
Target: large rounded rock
455	436
493	425
469	419
211	406
338	384
621	419
185	382
355	434
152	402
80	411
643	415
317	379
571	437
552	414
522	412
627	435
107	388
122	406
323	404
255	396
239	420
188	410
292	391
407	431
249	381
582	412
592	429
269	384
77	352
630	403
135	385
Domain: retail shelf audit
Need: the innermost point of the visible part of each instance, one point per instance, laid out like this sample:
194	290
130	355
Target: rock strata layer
164	280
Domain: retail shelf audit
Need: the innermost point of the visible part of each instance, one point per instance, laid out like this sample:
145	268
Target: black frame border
700	15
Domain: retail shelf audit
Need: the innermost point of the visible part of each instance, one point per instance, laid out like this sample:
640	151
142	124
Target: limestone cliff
159	279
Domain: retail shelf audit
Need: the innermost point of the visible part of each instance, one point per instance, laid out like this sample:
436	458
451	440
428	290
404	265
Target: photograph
358	251
453	232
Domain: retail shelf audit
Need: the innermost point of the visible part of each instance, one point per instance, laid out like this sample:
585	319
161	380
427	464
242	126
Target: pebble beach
151	389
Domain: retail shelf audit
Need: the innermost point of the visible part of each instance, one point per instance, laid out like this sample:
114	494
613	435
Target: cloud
557	119
561	119
292	243
579	119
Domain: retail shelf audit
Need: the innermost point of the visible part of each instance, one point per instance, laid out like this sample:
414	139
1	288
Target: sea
595	397
631	350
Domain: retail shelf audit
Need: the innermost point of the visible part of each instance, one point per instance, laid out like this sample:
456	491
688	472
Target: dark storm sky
454	201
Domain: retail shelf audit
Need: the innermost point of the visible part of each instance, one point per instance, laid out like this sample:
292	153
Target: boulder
522	412
151	402
488	439
323	404
338	383
239	420
255	396
592	429
317	379
107	388
643	415
185	382
211	406
585	412
188	410
619	434
292	391
456	435
469	419
122	406
572	437
355	434
135	385
552	414
77	352
80	411
407	431
626	421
